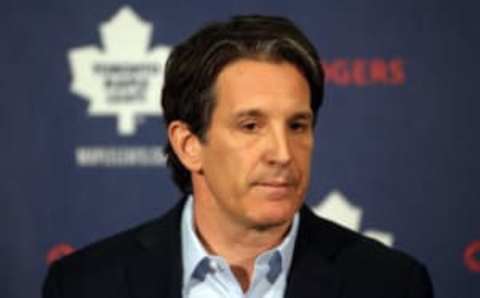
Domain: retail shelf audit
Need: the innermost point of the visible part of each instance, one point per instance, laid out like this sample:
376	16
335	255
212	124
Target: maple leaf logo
125	78
336	207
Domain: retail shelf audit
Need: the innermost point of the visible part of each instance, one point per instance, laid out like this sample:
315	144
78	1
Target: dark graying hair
193	66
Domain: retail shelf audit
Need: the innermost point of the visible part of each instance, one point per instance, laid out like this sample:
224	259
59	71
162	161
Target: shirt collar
195	257
193	251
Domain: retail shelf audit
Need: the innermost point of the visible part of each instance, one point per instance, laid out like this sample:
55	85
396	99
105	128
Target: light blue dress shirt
209	276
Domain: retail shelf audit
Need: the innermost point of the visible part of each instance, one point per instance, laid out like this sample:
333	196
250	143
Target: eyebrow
254	113
248	113
303	115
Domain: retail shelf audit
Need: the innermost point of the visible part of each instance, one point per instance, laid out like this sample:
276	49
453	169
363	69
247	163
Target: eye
299	126
249	126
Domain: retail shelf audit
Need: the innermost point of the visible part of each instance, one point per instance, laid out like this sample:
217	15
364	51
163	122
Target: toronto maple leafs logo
125	78
337	208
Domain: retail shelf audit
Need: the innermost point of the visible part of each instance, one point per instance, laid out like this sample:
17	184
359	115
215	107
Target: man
240	102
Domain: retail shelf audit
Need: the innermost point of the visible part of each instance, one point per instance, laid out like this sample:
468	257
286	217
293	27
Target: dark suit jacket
329	261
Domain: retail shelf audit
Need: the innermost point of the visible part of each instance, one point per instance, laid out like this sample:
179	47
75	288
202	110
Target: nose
278	143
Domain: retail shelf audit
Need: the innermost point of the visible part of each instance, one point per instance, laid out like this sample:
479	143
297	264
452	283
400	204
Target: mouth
275	189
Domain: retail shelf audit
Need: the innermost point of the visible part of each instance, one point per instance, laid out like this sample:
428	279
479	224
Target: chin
274	215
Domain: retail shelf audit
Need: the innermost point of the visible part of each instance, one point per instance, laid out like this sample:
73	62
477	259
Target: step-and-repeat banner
81	130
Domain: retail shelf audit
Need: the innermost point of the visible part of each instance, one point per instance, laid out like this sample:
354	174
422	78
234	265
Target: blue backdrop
397	145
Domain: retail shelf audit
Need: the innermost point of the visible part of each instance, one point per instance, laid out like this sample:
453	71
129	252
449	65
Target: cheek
303	151
229	165
303	155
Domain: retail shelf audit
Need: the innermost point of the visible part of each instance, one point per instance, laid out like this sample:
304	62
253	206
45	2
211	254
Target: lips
275	188
275	184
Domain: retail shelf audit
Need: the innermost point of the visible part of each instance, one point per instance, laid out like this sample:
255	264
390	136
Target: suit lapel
313	278
157	273
313	272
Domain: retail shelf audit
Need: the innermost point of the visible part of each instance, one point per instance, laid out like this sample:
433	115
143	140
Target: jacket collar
313	272
158	272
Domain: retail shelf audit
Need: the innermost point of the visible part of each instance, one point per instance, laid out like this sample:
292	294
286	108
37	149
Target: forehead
263	85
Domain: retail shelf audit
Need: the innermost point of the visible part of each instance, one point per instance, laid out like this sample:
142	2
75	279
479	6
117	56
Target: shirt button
214	265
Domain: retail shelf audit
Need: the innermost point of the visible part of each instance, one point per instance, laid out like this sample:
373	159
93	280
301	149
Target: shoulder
362	262
338	242
113	250
106	261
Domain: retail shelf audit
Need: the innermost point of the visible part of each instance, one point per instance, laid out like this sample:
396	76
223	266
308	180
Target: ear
186	145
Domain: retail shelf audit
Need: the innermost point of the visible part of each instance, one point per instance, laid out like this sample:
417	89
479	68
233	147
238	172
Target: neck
239	244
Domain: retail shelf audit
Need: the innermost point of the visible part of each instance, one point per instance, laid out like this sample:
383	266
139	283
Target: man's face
256	157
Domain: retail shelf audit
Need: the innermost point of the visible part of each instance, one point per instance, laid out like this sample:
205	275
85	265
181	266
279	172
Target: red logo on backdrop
363	72
472	256
59	251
